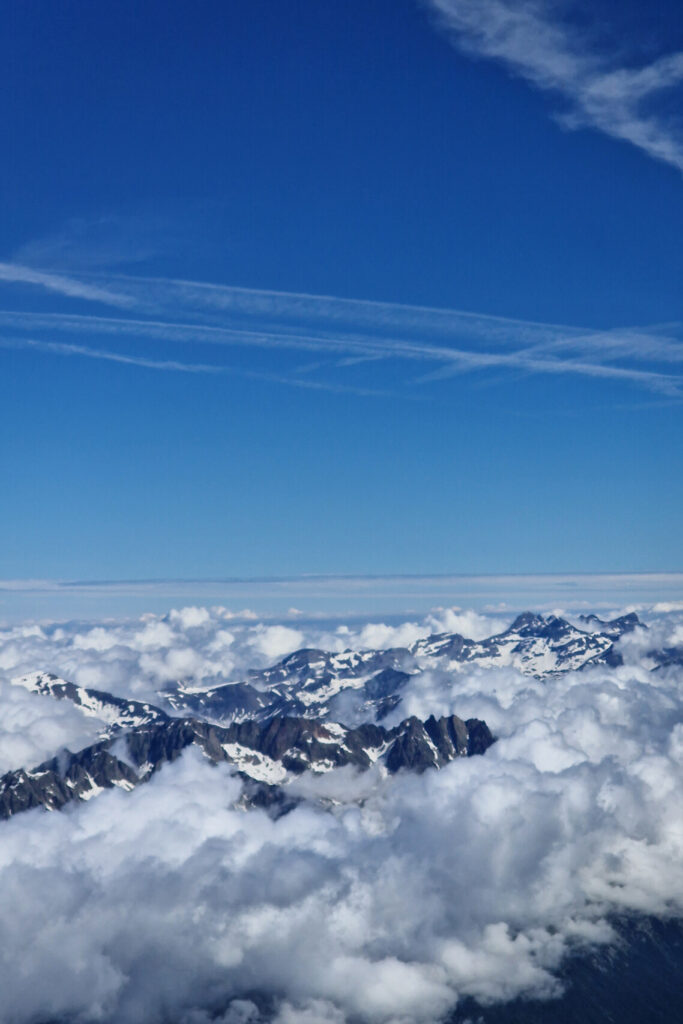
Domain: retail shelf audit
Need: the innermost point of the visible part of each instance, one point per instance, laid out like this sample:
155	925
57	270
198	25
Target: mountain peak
526	620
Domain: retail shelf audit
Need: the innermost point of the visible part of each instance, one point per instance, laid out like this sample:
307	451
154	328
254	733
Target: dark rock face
667	657
385	684
411	749
151	747
479	737
295	744
62	779
613	627
273	799
529	625
432	744
234	701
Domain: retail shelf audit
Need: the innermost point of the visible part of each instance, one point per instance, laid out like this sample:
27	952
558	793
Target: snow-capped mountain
115	712
533	644
312	683
288	719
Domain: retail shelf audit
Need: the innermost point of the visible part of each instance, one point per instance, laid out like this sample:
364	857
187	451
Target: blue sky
340	287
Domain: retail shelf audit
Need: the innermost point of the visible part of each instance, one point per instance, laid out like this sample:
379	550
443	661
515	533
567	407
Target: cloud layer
379	899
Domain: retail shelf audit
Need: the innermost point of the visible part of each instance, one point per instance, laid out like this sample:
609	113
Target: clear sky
364	286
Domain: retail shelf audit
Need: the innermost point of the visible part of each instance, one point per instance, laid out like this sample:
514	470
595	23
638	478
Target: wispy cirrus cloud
173	365
664	383
72	287
602	92
67	349
343	334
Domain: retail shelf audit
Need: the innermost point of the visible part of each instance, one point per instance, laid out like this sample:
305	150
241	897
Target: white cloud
190	618
66	349
177	664
314	1011
529	38
70	286
275	642
34	728
97	639
154	634
380	635
377	635
468	623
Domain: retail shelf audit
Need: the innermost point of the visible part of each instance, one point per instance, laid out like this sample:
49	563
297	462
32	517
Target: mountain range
312	711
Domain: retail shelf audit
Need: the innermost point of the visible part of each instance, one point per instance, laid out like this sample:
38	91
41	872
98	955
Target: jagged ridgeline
312	711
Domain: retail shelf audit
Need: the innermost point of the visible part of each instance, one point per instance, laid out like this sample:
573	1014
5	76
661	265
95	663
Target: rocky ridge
266	754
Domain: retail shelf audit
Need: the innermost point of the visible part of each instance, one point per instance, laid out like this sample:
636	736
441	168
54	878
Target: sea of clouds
381	899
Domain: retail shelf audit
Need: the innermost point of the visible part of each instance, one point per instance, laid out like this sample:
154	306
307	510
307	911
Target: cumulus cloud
377	635
468	623
380	635
34	728
381	899
275	641
190	618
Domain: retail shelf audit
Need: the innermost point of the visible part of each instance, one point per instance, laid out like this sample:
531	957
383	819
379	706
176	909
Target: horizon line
26	583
